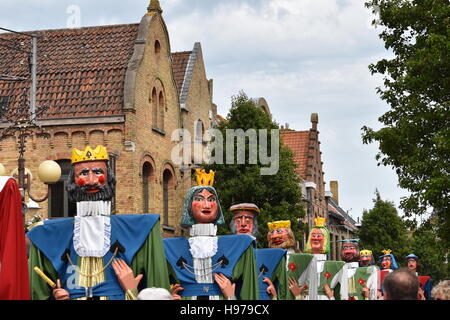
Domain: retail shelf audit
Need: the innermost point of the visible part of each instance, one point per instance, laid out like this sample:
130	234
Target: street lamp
22	119
48	172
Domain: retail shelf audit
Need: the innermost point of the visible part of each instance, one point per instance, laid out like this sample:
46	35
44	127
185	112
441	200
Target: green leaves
278	196
415	139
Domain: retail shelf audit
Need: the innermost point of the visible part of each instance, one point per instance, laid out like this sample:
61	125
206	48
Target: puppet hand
365	292
271	288
59	293
294	287
174	291
225	285
125	275
328	291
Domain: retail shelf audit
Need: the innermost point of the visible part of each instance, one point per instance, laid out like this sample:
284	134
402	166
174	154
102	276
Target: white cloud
303	56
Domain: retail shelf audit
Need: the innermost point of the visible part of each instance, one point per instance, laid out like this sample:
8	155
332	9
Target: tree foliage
415	139
382	228
278	196
432	252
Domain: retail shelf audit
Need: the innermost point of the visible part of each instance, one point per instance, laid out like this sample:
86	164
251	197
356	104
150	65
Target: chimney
334	188
314	120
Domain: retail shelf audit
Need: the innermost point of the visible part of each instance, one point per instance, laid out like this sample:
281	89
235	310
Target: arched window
168	184
147	174
154	101
199	131
162	109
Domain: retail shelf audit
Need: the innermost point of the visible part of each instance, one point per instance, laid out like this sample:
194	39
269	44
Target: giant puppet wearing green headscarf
319	271
207	266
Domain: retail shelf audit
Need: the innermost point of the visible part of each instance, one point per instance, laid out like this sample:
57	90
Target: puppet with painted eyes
366	258
94	238
356	283
205	265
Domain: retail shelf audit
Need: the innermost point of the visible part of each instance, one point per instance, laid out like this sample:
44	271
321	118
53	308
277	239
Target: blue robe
230	249
55	237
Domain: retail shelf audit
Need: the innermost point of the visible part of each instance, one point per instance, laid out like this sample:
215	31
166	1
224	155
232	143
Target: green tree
382	228
279	195
415	139
432	252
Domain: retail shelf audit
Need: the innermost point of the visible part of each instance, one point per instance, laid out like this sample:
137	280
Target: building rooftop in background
80	72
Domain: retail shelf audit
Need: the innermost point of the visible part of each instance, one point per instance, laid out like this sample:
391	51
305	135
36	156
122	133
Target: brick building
120	86
319	203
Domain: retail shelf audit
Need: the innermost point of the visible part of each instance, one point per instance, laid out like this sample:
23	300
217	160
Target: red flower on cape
292	266
327	275
361	281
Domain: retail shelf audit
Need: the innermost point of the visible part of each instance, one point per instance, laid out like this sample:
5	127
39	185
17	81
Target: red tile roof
179	65
298	142
80	72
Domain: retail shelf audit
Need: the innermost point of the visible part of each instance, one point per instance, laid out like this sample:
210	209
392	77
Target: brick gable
298	142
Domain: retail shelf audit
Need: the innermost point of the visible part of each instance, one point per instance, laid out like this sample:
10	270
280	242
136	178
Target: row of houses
123	87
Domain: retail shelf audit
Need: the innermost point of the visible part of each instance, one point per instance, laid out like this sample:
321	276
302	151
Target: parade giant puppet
366	258
13	256
354	282
205	265
75	255
320	272
281	236
387	264
412	263
271	262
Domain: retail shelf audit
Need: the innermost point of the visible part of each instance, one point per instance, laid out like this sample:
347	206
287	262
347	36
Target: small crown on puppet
89	154
203	178
319	222
279	224
365	252
386	252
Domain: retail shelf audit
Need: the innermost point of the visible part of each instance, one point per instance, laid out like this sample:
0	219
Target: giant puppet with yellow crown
73	258
320	271
280	236
205	266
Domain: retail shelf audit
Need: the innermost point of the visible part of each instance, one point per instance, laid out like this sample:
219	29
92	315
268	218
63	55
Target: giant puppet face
281	238
350	252
317	241
204	207
365	258
92	181
412	264
386	263
244	222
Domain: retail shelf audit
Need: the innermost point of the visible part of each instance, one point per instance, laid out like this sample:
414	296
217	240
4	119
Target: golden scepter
43	276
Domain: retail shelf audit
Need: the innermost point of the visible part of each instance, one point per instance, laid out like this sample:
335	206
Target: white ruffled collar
203	241
92	229
203	229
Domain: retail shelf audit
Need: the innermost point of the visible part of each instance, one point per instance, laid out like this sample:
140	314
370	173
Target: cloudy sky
302	56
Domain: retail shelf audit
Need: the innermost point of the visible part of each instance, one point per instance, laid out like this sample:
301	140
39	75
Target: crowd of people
99	256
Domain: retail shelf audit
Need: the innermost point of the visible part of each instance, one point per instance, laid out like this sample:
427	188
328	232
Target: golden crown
279	224
89	154
203	178
385	252
365	252
319	222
